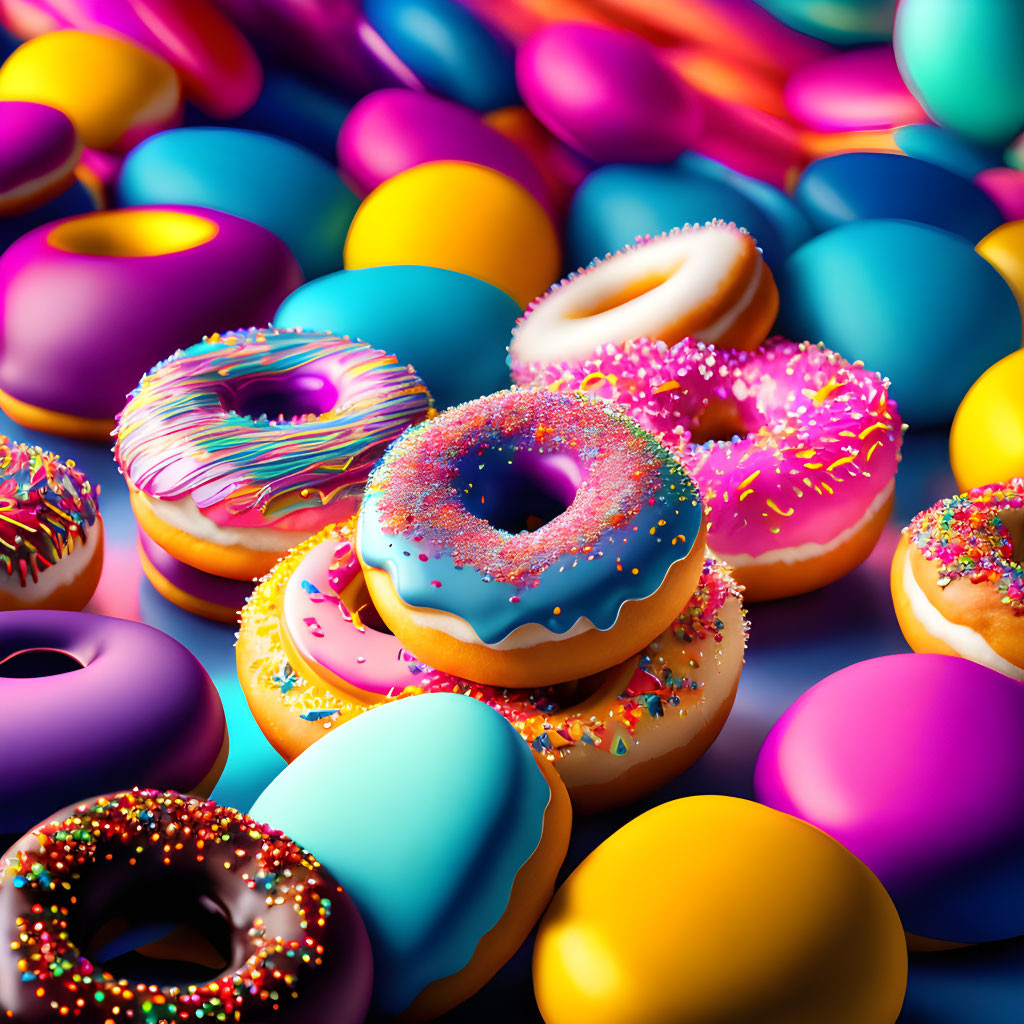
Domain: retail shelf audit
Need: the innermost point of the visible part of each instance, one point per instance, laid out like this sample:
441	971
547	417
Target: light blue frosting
424	810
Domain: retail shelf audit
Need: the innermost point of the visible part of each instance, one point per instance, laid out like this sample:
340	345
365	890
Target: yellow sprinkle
813	465
592	380
775	508
805	454
746	494
669	385
827	488
827	390
558	610
750	479
841	462
874	426
636	572
871	451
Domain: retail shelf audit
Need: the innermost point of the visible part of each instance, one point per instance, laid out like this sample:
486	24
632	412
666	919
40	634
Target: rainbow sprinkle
140	826
966	535
180	434
46	508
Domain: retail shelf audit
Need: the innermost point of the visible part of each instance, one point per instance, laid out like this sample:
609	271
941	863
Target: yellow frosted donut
462	217
986	444
1003	247
707	282
115	92
762	919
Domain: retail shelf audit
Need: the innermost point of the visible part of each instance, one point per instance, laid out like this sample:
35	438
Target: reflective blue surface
793	644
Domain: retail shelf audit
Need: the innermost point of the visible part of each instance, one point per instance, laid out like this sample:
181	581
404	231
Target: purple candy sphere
915	763
40	147
607	94
392	130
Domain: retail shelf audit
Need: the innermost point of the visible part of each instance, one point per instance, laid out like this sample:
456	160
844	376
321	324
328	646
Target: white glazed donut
706	282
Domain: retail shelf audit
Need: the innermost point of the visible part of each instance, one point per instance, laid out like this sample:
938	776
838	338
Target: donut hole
156	934
36	662
288	397
633	290
132	233
355	598
720	420
520	490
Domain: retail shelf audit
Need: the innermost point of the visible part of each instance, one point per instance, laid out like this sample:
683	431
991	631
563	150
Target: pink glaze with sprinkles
810	447
268	427
346	664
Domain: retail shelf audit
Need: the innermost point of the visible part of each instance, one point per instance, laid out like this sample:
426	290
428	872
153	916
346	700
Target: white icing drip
184	515
962	639
812	549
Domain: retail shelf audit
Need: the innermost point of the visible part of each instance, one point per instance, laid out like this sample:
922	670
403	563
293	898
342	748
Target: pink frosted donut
794	449
313	653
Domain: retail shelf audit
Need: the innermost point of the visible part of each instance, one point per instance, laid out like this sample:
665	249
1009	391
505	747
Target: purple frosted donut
38	157
794	449
89	902
214	597
92	704
91	302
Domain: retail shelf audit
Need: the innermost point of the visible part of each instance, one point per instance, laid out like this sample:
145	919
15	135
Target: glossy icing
428	852
47	510
296	946
630	513
810	440
335	403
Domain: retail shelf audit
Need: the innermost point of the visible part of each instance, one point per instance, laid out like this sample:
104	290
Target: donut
957	580
263	931
707	282
794	449
39	156
143	279
312	654
51	532
528	538
77	719
237	448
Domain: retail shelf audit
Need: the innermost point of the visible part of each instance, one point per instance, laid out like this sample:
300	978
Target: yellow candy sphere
462	217
1003	247
116	93
714	910
986	444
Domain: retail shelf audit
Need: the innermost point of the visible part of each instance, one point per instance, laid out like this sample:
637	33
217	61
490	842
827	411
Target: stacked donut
793	447
537	551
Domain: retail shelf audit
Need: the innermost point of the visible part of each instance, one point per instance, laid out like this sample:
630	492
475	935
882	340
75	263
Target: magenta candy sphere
391	130
607	94
854	90
914	762
92	302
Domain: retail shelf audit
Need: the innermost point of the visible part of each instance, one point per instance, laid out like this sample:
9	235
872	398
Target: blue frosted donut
528	538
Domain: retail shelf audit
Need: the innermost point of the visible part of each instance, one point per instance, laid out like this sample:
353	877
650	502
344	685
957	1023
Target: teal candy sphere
944	148
836	21
424	810
271	181
914	302
964	61
616	203
453	328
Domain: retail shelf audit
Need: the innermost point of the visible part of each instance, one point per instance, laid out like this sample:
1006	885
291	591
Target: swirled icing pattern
804	440
46	508
967	536
194	426
632	512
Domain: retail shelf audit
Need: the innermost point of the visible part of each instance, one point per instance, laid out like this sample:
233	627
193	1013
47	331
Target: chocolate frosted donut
153	907
90	704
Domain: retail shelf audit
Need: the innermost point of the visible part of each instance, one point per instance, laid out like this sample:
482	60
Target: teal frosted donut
528	538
